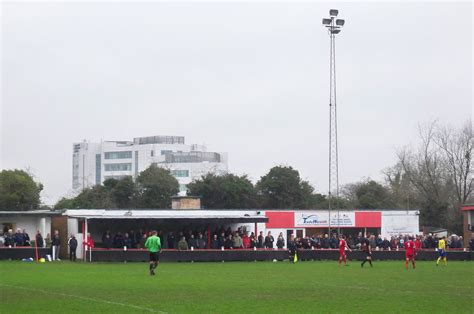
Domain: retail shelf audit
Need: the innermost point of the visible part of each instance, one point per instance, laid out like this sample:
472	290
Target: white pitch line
86	298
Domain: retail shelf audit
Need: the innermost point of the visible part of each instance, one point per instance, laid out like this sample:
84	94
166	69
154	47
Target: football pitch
236	287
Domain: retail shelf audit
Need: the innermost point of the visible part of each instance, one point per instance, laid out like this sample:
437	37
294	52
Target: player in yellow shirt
442	251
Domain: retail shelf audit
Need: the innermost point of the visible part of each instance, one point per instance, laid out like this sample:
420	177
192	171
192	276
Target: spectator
325	242
333	242
253	241
238	243
107	240
228	244
72	243
471	243
260	240
378	241
118	241
201	242
89	242
192	242
269	241
19	238
139	239
39	239
55	245
222	239
215	244
2	239
280	241
170	240
246	241
182	244
127	241
9	239
142	240
26	238
133	240
385	244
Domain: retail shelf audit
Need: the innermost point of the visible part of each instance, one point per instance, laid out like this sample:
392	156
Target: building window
152	153
183	188
180	173
118	155
118	167
114	177
136	163
98	168
164	152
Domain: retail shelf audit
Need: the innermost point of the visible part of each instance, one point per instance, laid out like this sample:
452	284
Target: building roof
229	216
39	212
467	207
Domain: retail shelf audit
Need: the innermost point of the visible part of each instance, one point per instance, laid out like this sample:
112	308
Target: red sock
406	264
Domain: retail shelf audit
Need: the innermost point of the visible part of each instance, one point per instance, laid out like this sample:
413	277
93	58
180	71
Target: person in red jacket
410	252
88	242
246	241
417	245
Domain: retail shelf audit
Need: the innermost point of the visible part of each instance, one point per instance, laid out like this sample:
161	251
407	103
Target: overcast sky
247	79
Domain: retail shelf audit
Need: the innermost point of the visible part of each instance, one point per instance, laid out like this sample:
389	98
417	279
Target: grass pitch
254	287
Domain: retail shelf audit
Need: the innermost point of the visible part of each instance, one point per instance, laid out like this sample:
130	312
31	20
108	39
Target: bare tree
457	148
439	171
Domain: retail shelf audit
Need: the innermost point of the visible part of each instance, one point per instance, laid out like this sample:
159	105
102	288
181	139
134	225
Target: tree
224	191
368	195
18	191
65	203
282	187
97	196
439	173
155	187
123	192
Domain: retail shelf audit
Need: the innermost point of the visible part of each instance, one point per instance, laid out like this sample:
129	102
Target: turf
254	287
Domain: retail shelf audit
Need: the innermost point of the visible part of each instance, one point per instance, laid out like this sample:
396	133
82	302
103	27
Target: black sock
151	267
370	262
363	262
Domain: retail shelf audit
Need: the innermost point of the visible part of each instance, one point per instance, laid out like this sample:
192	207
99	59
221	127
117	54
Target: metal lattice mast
334	27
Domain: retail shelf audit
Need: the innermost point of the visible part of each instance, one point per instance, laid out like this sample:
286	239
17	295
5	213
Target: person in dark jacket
118	241
333	242
19	238
39	239
229	243
55	245
221	239
9	239
269	241
325	242
260	240
201	243
291	248
26	238
72	242
127	241
471	243
192	242
280	241
215	244
107	240
171	240
253	241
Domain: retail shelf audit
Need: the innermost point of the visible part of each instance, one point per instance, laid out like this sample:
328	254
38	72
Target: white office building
95	162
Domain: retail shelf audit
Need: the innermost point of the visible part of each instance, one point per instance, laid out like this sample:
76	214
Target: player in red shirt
342	249
410	252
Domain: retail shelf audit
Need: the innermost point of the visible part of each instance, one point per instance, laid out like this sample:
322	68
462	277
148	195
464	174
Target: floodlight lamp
326	21
335	31
340	22
333	12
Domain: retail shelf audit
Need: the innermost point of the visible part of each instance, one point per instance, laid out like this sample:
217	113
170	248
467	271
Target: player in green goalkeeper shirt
153	244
